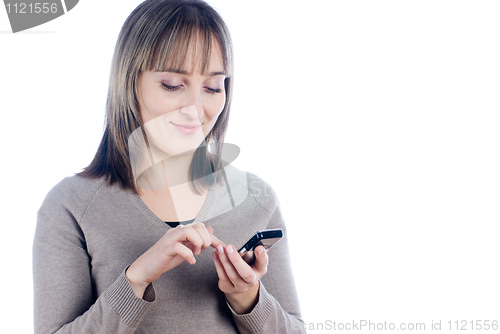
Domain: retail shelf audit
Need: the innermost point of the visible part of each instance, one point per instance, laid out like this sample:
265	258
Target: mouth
187	129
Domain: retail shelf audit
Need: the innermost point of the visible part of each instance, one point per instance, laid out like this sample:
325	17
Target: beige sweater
88	233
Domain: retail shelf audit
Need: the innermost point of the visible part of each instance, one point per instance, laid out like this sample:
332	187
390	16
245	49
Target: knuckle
178	248
199	226
253	281
248	277
169	233
223	286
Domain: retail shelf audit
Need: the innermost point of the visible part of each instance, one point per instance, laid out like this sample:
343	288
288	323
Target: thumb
261	259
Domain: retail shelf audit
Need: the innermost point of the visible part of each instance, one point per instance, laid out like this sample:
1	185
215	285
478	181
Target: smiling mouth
187	129
189	126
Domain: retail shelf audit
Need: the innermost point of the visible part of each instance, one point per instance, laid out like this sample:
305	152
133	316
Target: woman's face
179	108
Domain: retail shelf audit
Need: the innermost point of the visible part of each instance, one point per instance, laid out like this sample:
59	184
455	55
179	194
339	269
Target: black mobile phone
266	238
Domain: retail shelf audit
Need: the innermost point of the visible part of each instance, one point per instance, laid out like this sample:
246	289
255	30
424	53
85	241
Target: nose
195	100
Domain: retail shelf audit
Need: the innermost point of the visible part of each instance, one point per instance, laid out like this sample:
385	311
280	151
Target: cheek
156	107
160	105
214	106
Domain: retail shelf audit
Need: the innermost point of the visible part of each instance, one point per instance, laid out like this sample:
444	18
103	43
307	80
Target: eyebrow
178	71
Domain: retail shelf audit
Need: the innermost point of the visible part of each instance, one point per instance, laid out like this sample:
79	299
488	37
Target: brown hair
158	32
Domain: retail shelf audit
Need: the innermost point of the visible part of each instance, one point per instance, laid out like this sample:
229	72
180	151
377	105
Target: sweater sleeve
65	300
277	309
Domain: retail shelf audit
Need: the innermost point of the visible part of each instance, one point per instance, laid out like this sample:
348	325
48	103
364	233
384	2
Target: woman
120	247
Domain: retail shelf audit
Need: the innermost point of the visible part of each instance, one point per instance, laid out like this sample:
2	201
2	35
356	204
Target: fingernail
229	249
220	248
215	255
260	250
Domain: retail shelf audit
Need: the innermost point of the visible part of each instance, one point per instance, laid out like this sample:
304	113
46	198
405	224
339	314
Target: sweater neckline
153	219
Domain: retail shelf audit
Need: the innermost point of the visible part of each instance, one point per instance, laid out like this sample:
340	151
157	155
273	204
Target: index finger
214	240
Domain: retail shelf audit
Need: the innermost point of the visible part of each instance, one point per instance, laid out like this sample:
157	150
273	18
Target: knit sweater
88	233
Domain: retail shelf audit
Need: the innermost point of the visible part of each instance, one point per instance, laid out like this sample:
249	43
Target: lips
187	129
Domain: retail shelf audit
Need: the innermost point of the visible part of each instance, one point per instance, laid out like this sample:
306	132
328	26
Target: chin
183	149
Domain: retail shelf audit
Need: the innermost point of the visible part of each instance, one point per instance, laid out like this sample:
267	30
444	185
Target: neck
169	172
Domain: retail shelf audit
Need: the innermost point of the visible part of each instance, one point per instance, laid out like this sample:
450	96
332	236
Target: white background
376	122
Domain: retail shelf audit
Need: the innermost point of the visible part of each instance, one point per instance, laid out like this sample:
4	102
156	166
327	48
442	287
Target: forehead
198	61
193	55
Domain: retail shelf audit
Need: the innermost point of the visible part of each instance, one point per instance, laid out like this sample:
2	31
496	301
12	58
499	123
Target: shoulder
255	187
71	195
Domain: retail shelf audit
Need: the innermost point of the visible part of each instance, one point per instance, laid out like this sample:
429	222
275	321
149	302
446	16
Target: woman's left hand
238	280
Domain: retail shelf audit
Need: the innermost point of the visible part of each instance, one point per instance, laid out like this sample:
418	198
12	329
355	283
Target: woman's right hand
176	246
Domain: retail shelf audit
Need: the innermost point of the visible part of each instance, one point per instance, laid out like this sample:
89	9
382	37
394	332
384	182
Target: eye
170	88
213	90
